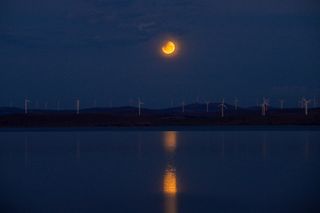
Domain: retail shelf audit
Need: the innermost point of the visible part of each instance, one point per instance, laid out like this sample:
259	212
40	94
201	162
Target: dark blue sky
109	50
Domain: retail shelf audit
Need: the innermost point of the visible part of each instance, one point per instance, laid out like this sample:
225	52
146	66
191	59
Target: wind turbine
301	103
222	107
58	105
305	104
264	106
183	106
207	106
78	106
236	103
131	102
139	106
281	104
26	102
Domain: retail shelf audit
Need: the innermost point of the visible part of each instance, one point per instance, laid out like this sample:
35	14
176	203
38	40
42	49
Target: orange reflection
170	181
170	205
170	141
170	190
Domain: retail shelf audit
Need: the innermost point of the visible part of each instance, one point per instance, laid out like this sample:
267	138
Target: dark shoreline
170	121
166	128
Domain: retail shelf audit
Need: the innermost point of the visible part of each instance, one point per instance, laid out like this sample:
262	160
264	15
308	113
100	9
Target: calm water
160	171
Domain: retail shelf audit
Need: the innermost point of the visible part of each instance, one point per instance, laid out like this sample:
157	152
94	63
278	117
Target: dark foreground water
160	171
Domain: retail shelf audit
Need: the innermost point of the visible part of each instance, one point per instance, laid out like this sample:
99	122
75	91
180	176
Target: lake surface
160	171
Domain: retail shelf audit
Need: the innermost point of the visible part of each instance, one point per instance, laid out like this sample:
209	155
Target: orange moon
168	48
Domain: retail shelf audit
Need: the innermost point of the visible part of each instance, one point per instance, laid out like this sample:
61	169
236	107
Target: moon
168	48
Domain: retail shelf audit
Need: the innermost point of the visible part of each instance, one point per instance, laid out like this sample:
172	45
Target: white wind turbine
222	107
236	101
301	103
264	106
139	106
305	104
78	106
183	106
281	104
26	102
207	106
58	105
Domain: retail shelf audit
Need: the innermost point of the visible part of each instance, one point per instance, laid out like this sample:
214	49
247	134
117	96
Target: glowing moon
168	48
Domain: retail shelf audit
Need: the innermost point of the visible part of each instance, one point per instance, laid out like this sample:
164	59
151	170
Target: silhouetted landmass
193	115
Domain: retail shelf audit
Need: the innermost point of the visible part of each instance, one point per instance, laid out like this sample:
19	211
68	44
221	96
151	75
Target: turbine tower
222	107
236	101
78	106
305	104
207	106
301	103
26	102
281	104
183	106
139	106
58	105
264	106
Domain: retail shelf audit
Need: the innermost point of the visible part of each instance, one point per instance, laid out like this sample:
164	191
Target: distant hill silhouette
194	114
193	108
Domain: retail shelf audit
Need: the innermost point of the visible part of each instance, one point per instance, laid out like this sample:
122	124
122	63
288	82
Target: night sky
107	50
